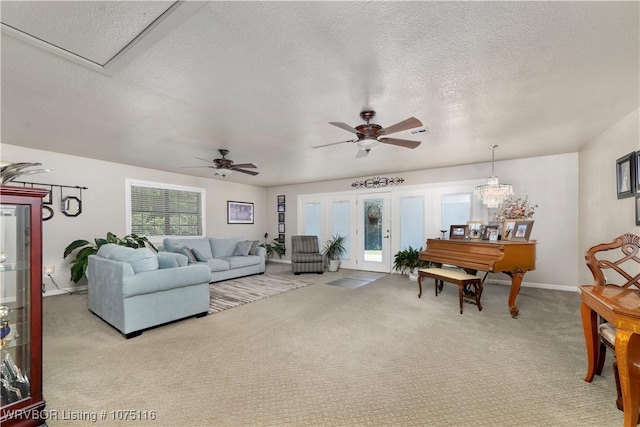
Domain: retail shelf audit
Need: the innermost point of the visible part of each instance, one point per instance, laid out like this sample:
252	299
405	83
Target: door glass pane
373	230
312	219
341	224
411	222
456	209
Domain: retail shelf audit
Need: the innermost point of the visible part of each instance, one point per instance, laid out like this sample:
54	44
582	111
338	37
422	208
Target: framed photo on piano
459	231
521	230
507	230
474	229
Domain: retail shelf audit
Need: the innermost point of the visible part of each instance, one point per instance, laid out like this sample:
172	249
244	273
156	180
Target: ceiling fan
370	135
224	166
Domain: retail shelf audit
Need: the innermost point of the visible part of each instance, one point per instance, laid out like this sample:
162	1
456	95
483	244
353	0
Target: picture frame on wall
281	199
507	229
281	207
239	212
459	231
626	175
281	227
474	229
281	238
637	172
637	210
521	230
280	216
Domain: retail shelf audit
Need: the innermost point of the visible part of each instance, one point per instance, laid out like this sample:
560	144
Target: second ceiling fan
370	135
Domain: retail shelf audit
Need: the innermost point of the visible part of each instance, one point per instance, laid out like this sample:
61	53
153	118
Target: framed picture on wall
239	213
280	216
281	199
637	172
281	207
280	238
281	228
637	210
626	175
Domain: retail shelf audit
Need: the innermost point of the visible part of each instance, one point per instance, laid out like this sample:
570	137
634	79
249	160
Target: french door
374	232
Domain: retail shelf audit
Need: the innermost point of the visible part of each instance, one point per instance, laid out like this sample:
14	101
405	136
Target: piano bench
469	286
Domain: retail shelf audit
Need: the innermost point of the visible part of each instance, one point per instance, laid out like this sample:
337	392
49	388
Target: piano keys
514	258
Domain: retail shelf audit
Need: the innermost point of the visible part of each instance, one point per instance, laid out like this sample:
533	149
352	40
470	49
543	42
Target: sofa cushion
223	247
254	245
217	264
307	257
198	256
140	259
202	245
242	261
242	248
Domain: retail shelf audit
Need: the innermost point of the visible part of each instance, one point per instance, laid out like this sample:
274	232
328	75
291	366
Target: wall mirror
71	206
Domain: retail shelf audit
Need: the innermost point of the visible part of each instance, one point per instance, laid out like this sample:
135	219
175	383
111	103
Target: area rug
236	292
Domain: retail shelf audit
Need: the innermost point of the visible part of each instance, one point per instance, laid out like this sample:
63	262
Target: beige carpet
331	356
243	290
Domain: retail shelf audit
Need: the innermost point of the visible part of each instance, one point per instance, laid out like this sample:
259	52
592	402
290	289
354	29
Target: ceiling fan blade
189	167
200	158
406	143
333	143
410	123
244	165
362	153
344	126
244	171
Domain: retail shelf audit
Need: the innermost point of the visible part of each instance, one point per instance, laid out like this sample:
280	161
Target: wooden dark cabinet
21	307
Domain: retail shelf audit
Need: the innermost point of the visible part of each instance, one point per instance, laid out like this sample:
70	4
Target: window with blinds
165	210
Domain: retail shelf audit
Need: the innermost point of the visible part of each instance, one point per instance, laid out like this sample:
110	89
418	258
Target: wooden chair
620	259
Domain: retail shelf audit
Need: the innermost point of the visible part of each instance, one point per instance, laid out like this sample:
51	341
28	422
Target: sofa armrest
172	260
261	252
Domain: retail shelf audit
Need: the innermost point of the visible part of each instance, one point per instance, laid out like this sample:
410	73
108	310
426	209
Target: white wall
103	204
550	181
603	216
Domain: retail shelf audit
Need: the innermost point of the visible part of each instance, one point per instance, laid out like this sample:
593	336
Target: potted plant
407	261
333	250
81	261
275	247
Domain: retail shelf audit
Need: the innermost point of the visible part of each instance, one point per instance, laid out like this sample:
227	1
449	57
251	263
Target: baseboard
64	291
538	285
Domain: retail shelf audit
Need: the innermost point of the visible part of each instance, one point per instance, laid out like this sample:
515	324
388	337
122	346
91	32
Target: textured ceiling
263	79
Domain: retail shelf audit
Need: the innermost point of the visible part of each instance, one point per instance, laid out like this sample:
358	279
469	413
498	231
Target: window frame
163	186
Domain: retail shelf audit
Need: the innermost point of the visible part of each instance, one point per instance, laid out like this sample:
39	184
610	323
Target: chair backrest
304	244
619	258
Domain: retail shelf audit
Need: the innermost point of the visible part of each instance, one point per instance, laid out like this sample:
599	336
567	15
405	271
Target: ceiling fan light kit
370	135
493	193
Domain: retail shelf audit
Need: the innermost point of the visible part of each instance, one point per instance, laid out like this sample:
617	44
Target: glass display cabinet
21	307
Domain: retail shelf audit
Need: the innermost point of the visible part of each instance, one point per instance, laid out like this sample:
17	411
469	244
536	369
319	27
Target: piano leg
516	281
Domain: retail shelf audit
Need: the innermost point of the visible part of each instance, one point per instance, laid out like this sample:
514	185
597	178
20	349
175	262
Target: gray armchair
305	255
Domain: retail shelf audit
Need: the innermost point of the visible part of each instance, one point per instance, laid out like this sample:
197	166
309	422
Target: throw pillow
198	256
187	251
242	248
254	245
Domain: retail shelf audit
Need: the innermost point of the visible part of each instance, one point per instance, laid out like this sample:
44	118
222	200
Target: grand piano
514	258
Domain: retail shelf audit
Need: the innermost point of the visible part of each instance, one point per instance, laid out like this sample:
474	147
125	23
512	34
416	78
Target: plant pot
413	275
334	264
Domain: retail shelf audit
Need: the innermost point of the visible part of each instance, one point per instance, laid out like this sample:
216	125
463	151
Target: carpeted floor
326	355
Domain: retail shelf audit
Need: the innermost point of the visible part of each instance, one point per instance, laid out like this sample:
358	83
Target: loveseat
226	258
135	289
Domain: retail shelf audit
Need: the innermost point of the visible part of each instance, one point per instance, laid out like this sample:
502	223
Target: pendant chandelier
493	193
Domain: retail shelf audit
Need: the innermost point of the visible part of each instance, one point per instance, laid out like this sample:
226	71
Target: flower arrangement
519	208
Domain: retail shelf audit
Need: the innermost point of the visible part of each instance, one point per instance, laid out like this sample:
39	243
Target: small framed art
474	229
281	207
239	213
280	216
626	175
500	225
280	238
489	232
507	229
459	231
521	230
281	199
281	227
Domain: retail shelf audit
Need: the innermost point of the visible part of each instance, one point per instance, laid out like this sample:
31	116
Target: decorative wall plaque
377	182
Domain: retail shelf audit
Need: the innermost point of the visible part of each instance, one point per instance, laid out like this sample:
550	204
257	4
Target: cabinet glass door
15	297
